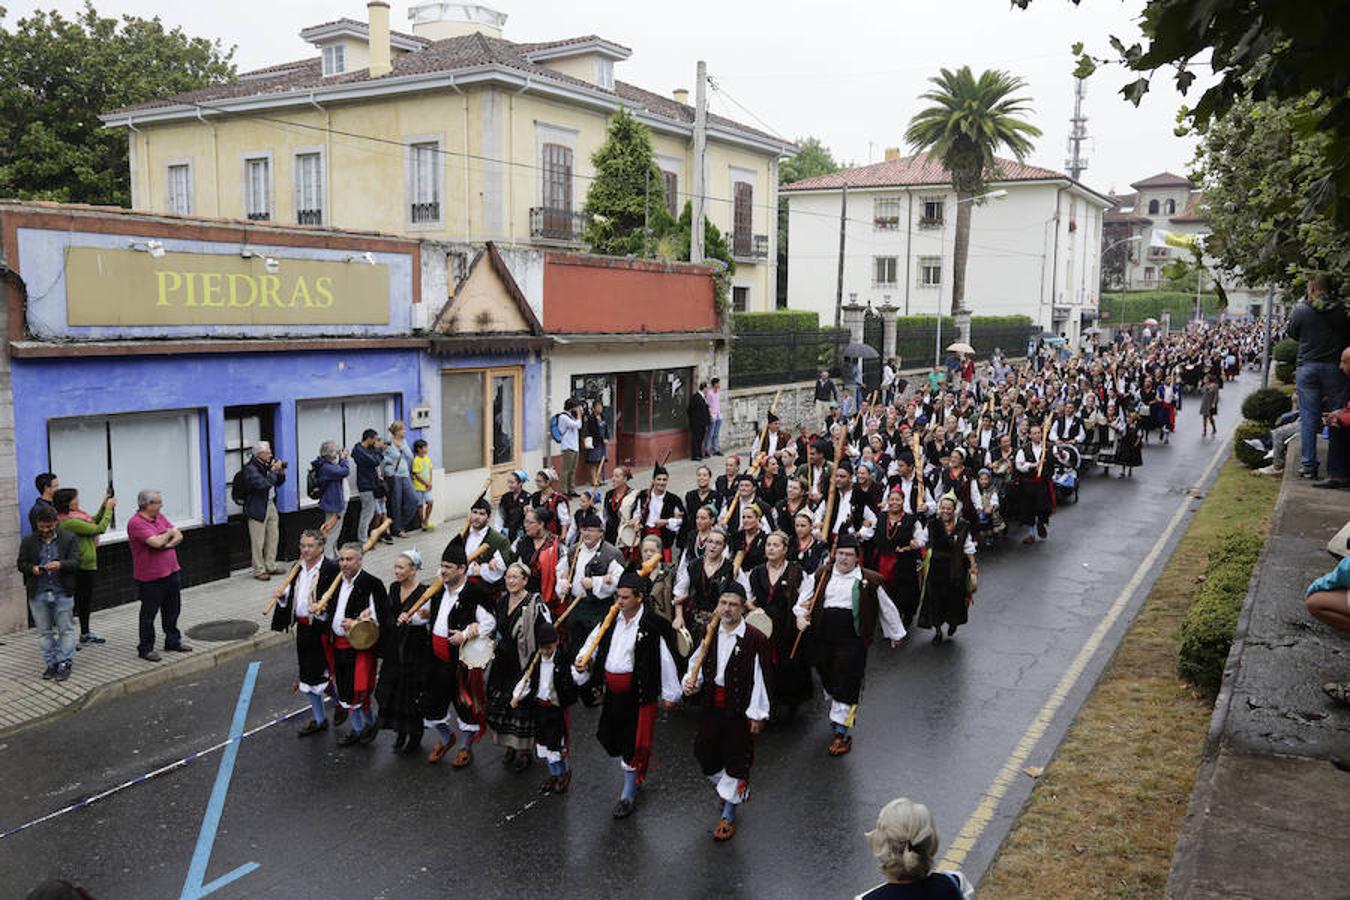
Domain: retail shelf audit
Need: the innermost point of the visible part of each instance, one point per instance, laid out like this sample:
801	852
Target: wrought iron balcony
550	223
425	213
309	217
750	246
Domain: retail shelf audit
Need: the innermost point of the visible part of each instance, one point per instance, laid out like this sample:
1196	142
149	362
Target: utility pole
843	229
1265	343
700	174
1077	162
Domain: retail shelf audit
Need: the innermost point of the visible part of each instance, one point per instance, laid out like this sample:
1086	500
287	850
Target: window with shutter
425	185
309	189
258	189
672	193
742	239
557	190
180	189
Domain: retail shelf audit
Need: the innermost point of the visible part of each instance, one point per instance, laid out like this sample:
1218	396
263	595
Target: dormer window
334	59
604	73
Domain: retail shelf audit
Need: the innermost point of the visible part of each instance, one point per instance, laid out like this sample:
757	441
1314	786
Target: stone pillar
887	331
852	319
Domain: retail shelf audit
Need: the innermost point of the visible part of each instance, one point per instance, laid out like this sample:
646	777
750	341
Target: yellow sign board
131	287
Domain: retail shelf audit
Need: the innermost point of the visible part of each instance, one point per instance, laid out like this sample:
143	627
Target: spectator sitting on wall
154	566
262	475
47	486
332	472
49	559
1275	443
369	483
1328	601
86	529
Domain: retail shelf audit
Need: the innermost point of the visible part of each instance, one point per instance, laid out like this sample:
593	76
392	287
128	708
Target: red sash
441	647
363	677
719	697
622	683
473	693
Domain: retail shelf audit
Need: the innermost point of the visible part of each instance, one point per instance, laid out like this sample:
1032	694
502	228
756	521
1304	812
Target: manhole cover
223	630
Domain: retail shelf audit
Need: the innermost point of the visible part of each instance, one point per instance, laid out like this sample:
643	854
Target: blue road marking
194	887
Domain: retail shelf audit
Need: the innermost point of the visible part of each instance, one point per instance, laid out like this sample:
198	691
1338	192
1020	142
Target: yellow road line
1011	770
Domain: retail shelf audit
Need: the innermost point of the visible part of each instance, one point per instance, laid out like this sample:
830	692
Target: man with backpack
254	488
1319	324
565	428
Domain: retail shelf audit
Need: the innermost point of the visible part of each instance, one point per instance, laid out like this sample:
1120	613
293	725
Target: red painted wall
601	294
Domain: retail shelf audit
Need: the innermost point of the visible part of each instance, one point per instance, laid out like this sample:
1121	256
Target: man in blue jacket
367	459
333	469
262	475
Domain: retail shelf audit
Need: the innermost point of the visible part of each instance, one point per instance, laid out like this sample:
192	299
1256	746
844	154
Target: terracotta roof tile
919	169
1163	180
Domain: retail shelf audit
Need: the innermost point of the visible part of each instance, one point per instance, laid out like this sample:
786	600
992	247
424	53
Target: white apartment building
1035	242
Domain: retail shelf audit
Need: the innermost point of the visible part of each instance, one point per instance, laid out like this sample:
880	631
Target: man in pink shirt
711	443
154	566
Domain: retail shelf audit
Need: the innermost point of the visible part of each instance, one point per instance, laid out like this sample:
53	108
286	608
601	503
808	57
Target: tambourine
476	653
364	634
760	619
684	642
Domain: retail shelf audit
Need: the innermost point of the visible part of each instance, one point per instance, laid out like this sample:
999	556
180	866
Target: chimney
681	96
892	154
380	59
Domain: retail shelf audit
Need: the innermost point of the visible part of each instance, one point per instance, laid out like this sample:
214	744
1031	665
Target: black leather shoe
624	808
180	648
339	714
152	656
400	742
1334	484
1341	762
349	738
312	727
368	734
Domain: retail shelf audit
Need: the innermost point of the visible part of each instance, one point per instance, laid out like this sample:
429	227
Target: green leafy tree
1259	161
625	210
1283	50
813	158
58	74
716	250
970	120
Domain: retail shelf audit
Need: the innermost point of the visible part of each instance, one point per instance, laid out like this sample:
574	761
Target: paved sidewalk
109	670
1269	815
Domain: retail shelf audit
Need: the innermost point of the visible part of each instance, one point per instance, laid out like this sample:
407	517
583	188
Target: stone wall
743	411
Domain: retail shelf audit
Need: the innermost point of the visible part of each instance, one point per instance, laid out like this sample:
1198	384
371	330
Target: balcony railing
259	216
422	213
930	221
750	246
309	217
549	223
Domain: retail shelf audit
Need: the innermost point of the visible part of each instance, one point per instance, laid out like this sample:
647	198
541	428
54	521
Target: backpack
239	487
554	431
313	489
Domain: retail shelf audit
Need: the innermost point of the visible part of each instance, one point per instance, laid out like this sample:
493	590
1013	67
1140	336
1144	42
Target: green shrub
915	338
786	358
1285	351
1284	371
1207	633
1252	459
1266	405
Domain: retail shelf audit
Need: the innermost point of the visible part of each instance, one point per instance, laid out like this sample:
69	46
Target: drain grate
223	630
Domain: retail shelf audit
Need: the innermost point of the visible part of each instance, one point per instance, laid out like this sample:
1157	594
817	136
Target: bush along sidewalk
1207	633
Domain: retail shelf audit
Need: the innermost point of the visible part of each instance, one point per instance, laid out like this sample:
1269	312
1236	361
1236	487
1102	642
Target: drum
476	653
364	634
760	619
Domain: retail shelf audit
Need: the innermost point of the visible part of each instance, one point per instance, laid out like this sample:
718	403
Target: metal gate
874	327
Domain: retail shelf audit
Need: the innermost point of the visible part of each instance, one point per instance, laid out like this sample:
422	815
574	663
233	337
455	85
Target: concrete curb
1184	855
157	674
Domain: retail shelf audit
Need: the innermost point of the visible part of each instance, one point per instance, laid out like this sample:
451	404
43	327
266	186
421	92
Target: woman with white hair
406	645
905	843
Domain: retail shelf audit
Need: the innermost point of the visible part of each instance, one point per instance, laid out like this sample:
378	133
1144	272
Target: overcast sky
847	72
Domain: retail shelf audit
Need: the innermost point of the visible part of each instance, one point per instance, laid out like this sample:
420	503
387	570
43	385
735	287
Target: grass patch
1104	817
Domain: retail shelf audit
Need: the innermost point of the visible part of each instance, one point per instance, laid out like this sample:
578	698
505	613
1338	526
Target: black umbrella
861	351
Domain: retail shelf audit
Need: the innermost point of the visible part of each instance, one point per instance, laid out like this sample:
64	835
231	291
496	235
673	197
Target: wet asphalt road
935	724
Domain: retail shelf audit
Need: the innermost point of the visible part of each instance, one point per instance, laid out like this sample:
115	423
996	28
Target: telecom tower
1077	160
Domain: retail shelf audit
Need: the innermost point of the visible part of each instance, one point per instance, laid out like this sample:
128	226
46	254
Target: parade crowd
735	595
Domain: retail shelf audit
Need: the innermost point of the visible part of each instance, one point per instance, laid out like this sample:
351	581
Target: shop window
244	427
341	419
461	421
602	387
504	430
158	451
670	399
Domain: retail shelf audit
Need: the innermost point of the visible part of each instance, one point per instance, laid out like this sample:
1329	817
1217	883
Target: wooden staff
319	608
432	590
763	439
377	534
584	660
736	563
828	525
917	446
487	483
815	598
290	576
1040	463
703	647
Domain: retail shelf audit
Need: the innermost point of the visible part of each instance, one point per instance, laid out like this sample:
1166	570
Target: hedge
1284	371
1249	456
915	336
1265	405
1131	307
1285	351
1207	633
778	320
754	363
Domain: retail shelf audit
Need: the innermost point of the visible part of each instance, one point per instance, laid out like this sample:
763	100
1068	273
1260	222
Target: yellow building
450	132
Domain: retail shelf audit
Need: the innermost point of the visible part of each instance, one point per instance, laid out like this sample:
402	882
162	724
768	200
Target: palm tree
969	121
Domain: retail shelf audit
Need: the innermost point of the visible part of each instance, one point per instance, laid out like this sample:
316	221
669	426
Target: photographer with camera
255	489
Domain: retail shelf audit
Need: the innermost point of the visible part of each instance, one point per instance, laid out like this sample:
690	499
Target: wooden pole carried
815	598
290	576
704	646
584	660
487	483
